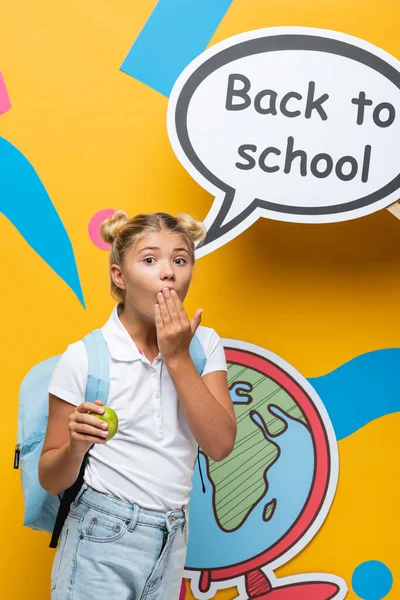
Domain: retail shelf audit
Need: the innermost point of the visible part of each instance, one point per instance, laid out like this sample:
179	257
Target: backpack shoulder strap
97	388
98	381
197	353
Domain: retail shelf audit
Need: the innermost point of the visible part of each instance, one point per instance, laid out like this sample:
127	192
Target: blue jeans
111	550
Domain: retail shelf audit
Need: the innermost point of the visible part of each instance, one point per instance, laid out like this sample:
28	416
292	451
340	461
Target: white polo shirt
151	459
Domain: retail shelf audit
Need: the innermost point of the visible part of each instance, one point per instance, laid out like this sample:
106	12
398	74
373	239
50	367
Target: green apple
110	417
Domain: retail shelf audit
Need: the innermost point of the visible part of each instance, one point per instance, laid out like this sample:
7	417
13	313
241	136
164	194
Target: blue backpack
43	511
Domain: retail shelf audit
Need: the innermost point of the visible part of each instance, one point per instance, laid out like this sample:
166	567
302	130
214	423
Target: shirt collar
120	344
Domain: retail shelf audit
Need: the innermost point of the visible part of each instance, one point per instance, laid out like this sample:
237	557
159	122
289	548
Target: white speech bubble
290	123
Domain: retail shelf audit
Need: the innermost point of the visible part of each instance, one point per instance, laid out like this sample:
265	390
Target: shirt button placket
157	405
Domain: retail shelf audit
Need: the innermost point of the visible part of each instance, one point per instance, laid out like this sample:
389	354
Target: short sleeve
215	353
69	378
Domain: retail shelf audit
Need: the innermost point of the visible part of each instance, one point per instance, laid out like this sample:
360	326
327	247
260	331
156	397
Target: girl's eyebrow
149	248
157	248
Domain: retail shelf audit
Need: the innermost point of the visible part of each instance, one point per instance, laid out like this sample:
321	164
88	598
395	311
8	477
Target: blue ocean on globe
289	478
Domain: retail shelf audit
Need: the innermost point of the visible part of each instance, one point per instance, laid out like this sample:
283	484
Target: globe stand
258	587
257	584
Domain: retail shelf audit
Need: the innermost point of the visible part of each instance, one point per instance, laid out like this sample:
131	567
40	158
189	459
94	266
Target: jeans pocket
98	526
55	572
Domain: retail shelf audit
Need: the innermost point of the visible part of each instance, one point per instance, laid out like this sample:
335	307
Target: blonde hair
121	232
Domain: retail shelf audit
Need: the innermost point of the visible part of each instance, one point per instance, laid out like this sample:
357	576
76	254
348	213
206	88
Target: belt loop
135	517
79	494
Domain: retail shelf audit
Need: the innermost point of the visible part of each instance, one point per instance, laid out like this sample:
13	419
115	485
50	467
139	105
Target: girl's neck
142	331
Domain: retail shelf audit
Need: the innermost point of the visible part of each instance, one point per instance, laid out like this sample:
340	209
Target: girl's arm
207	405
70	433
206	400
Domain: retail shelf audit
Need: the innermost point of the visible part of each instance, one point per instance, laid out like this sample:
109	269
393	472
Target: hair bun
110	227
195	229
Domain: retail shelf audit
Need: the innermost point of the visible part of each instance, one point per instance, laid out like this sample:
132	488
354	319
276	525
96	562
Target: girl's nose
167	273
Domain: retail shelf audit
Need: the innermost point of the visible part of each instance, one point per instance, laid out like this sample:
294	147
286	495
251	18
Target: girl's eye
148	260
182	261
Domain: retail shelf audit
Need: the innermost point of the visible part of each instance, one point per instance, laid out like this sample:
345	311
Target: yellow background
315	295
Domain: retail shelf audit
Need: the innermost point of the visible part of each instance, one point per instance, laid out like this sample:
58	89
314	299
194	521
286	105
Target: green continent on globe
240	481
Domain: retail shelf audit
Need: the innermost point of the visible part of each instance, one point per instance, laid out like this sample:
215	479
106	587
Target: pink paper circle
94	227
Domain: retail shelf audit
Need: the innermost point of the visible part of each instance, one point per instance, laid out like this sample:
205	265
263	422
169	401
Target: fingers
157	317
88	419
86	407
171	309
170	304
86	427
195	322
83	432
164	311
179	307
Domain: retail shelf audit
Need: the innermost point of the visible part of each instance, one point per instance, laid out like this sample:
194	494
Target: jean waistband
130	512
